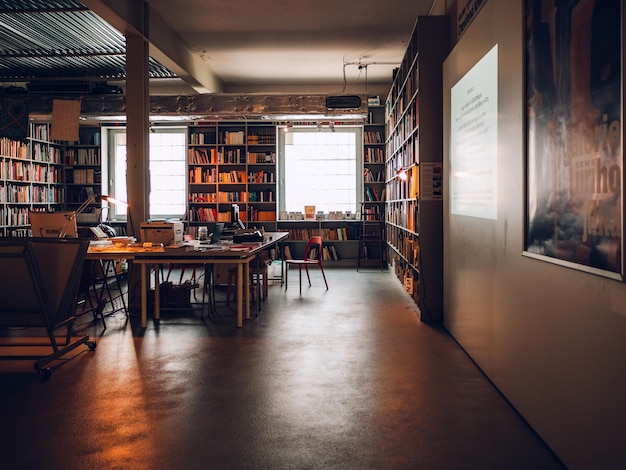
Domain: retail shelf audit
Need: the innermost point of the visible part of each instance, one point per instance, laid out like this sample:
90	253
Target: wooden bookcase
374	155
31	178
232	163
83	173
340	238
372	238
414	126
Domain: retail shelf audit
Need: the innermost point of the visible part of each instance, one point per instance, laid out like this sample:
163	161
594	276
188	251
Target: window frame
282	132
109	145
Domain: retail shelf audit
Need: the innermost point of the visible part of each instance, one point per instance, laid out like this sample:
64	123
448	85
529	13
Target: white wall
552	339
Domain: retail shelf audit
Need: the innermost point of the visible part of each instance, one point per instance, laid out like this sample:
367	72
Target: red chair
310	259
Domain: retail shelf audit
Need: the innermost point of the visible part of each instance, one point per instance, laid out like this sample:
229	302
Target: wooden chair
313	255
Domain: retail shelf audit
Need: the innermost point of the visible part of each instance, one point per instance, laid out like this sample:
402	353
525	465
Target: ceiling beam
166	46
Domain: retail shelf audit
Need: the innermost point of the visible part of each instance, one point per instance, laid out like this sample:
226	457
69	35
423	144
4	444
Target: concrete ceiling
290	46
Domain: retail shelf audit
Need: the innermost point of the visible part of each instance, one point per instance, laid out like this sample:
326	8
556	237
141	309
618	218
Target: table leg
157	294
239	295
246	276
144	295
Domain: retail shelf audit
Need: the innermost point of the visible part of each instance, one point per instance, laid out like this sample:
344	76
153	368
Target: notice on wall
431	188
474	141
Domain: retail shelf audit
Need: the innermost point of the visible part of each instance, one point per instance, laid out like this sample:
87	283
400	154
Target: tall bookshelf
372	251
374	155
31	178
83	172
232	163
413	166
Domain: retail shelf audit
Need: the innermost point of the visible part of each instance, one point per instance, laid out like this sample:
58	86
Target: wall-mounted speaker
343	102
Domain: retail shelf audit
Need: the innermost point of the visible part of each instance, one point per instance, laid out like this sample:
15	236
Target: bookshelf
414	150
372	239
31	178
340	238
374	155
82	168
232	163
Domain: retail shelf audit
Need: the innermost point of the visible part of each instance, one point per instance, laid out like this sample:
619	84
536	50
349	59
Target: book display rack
413	166
31	178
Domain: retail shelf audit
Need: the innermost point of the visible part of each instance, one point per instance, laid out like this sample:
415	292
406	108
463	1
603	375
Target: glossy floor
347	378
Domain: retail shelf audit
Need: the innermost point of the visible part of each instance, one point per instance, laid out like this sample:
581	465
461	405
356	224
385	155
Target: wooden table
239	254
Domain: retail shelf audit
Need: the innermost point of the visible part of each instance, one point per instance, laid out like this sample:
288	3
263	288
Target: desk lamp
71	217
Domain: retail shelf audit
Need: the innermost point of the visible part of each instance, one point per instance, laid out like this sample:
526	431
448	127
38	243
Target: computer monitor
52	224
217	233
235	221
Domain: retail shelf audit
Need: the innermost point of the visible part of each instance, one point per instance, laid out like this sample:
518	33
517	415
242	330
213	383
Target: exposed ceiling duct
278	107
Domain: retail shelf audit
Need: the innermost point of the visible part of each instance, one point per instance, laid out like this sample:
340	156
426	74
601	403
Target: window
167	172
320	167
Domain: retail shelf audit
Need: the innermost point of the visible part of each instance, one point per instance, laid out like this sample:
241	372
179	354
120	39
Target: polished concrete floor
347	378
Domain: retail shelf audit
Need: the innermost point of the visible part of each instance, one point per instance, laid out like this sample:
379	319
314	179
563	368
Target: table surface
138	251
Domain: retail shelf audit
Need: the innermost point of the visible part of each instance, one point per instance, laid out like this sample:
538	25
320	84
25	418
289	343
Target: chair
312	257
258	278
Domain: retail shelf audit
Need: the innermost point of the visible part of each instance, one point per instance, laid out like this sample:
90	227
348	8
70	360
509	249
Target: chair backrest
313	250
39	279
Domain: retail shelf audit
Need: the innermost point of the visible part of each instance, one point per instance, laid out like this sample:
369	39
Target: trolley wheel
91	345
44	372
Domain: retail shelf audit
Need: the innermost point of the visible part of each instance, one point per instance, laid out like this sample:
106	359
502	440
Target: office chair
313	255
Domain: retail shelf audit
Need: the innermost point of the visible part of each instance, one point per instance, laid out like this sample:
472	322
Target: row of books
371	194
267	137
212	156
210	214
30	194
370	176
83	176
339	233
404	214
40	132
212	175
232	137
261	177
373	137
374	155
31	172
233	196
45	153
13	148
329	253
202	138
90	156
262	196
261	157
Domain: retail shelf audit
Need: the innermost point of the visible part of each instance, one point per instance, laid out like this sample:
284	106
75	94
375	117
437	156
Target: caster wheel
44	372
91	345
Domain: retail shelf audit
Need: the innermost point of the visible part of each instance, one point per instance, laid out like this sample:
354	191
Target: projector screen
474	141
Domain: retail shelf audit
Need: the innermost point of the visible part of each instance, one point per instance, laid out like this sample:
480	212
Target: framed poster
574	154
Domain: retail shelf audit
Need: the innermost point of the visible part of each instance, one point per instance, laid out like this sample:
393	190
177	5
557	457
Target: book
309	212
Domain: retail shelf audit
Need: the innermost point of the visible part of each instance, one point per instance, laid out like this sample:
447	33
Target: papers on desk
100	242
